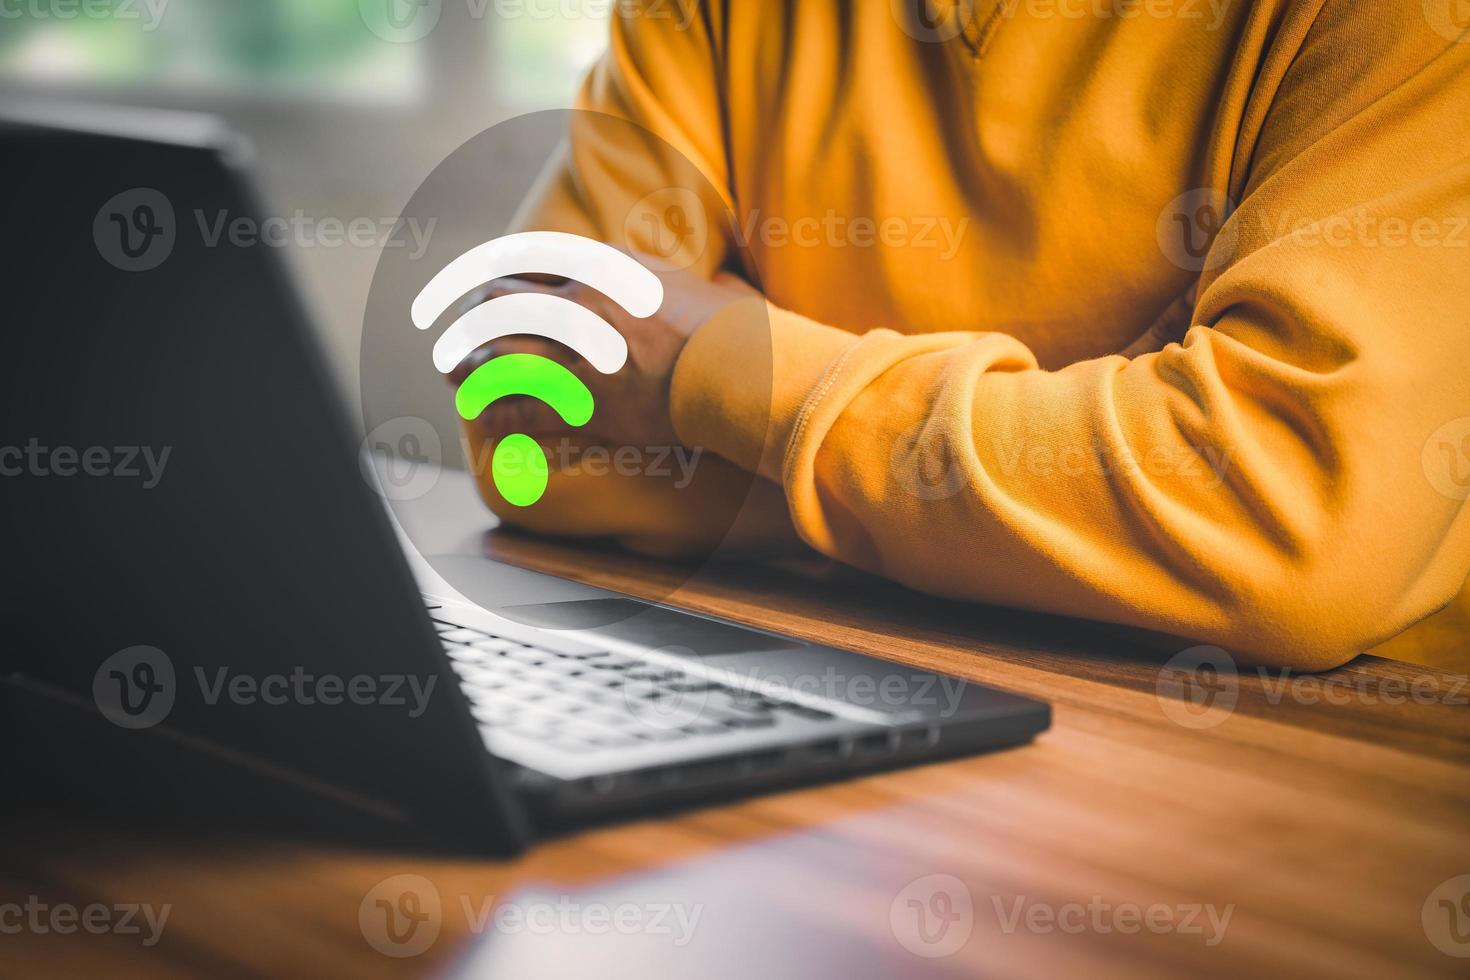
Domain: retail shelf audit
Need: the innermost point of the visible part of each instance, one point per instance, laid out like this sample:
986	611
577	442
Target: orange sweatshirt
1017	356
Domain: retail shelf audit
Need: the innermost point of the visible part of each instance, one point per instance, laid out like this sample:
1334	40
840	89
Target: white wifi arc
518	465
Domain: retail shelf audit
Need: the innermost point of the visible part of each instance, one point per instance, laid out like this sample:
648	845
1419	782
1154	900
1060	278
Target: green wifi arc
518	466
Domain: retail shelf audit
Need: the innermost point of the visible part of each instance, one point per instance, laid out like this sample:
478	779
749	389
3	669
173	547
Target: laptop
192	553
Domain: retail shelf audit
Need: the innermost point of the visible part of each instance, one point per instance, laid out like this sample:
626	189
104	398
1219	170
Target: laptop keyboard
600	699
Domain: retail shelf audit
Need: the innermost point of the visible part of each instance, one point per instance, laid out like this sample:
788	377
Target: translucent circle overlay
616	182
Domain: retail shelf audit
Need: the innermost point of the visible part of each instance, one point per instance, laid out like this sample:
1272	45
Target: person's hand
633	403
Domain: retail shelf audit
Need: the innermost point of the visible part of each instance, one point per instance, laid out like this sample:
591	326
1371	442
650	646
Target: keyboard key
478	677
704	712
564	705
612	719
752	721
704	728
650	734
691	686
525	693
468	655
612	740
568	745
811	714
654	674
462	635
732	701
499	711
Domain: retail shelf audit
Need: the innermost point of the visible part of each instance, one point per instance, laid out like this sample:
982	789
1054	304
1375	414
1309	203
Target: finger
517	344
520	284
521	414
567	289
512	284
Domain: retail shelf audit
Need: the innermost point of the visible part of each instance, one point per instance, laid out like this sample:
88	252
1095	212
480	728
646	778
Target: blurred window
286	47
540	49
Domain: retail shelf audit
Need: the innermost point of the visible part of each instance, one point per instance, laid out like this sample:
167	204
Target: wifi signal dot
519	469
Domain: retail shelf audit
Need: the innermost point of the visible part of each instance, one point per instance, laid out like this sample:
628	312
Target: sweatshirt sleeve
1267	483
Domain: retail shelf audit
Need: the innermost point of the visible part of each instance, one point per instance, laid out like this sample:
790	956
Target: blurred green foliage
536	50
277	43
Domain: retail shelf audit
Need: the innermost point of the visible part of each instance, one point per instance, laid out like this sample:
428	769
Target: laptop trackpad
651	626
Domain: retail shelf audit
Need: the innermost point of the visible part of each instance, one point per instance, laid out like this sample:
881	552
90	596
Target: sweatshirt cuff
744	378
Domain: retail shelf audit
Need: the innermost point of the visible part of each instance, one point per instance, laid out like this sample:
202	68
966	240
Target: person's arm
659	75
1261	484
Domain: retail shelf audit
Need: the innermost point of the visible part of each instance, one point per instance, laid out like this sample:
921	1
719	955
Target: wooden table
1329	823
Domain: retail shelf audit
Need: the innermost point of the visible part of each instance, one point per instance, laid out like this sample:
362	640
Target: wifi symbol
518	466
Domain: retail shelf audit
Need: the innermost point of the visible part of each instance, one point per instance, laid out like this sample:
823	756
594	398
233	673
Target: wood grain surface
1322	821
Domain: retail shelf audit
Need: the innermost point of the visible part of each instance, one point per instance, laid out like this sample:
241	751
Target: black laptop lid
179	483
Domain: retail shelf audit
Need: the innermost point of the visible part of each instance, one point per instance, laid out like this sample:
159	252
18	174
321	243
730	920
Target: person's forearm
1208	490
